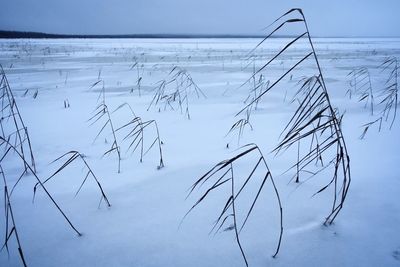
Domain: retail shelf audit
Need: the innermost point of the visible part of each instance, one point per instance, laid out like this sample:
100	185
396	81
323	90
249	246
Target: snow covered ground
141	228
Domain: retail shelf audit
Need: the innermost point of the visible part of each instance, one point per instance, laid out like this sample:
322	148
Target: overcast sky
325	17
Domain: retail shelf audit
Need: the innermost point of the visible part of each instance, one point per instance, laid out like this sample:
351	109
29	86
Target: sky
336	18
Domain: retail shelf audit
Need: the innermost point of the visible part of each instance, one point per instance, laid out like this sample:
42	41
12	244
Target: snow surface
141	228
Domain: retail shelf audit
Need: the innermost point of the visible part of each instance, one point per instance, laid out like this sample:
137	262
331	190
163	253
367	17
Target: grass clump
12	125
134	132
361	85
315	120
13	152
223	175
73	156
174	92
102	114
387	97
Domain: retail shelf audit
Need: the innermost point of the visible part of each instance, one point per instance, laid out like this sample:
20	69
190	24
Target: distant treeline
18	34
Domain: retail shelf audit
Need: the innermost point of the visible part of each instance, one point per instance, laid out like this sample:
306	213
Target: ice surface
141	227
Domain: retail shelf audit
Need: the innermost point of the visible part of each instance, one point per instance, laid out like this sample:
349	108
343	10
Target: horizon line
10	34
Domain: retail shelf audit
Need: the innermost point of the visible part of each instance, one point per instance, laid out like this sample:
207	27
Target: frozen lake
58	83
